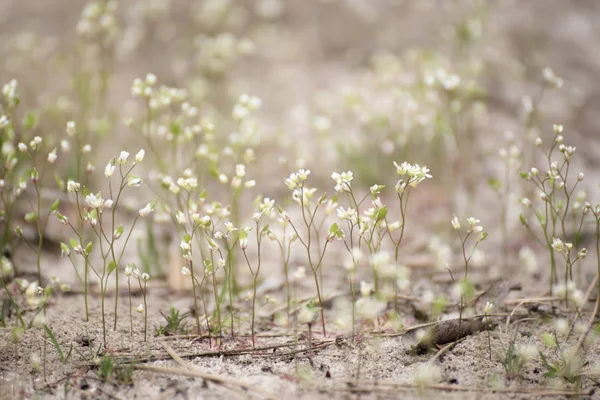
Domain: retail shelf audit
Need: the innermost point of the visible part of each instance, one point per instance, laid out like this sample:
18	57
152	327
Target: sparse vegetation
230	205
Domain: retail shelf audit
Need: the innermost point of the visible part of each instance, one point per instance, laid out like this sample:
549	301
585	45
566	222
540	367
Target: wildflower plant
474	231
105	230
296	182
556	188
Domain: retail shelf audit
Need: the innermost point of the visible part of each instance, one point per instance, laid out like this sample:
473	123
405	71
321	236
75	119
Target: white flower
308	314
134	182
455	223
150	79
94	200
303	174
109	170
488	308
300	273
145	276
342	181
73	186
240	170
128	270
180	217
22	147
146	210
140	308
140	156
528	259
185	271
123	157
52	156
71	128
366	288
558	244
473	221
65	146
185	246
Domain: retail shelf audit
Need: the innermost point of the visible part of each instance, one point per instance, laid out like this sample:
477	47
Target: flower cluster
415	173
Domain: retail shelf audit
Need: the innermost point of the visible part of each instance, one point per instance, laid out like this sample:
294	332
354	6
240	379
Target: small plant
61	355
465	287
110	371
308	314
568	363
517	356
296	182
556	188
174	323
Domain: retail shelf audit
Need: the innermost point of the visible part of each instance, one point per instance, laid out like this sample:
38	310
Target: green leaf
55	206
61	355
540	217
29	121
112	265
523	220
495	184
381	214
333	229
524	175
89	247
59	183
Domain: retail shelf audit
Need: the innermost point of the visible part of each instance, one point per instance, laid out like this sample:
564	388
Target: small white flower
140	156
134	182
145	277
73	186
123	157
488	308
240	170
185	271
558	244
109	170
526	202
65	146
146	210
22	147
140	308
52	156
71	128
300	273
308	315
455	223
94	200
180	217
